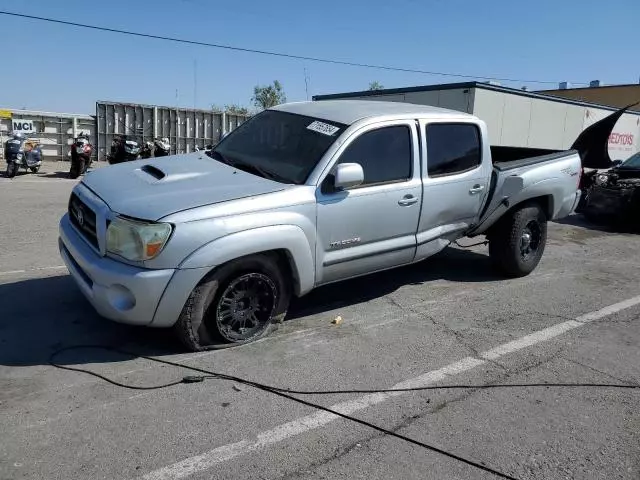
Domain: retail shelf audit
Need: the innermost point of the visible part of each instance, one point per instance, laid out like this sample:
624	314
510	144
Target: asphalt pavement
446	321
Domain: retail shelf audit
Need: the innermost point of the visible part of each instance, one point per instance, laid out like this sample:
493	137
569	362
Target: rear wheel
77	166
34	169
517	244
12	169
236	304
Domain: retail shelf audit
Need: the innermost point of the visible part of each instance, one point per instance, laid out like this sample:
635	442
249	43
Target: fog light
121	298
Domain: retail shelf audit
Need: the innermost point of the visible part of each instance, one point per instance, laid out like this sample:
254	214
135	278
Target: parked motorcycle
146	150
123	149
20	151
81	151
162	147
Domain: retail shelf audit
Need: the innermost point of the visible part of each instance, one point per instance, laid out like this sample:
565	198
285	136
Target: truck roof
350	111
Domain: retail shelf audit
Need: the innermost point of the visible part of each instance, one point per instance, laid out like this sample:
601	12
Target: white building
517	118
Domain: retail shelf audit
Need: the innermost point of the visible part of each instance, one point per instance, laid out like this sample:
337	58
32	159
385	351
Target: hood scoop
155	172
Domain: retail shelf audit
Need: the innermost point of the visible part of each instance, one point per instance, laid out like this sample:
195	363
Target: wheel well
545	202
282	257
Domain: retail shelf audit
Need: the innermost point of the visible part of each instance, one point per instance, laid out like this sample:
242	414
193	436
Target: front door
372	226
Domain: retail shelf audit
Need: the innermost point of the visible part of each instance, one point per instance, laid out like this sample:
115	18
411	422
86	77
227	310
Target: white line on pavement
282	432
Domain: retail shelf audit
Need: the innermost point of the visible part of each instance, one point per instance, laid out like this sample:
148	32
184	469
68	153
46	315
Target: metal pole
195	83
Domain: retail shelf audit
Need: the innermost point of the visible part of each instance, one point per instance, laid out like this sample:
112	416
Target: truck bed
508	158
521	175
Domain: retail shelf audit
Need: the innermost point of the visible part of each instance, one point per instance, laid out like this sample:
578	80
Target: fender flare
289	238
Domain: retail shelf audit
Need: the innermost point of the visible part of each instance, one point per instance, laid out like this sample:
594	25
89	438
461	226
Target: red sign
621	139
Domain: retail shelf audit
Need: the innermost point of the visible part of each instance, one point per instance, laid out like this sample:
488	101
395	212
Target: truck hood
154	188
593	142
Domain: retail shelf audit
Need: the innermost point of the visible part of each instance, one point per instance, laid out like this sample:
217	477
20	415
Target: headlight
19	156
136	240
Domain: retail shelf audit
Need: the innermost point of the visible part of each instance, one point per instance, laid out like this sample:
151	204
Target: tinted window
452	148
385	154
285	145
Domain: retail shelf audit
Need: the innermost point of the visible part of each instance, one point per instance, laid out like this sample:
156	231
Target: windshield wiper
216	155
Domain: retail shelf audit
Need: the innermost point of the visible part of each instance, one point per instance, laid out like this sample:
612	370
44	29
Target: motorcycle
81	151
145	151
162	147
20	151
123	150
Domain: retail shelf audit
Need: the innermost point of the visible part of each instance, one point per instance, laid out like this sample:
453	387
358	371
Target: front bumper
119	292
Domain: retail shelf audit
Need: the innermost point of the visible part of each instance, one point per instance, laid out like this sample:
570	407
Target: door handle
476	189
407	200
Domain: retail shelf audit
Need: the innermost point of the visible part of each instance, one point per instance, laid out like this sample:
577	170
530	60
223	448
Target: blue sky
65	69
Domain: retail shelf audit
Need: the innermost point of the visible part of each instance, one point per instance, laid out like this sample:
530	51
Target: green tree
236	110
375	86
267	96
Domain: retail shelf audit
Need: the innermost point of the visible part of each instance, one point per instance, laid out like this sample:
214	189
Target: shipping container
516	118
54	131
185	128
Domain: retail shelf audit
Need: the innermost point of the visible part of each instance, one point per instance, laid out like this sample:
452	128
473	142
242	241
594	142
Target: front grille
84	219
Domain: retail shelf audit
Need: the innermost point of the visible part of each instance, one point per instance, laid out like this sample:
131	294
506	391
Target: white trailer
517	118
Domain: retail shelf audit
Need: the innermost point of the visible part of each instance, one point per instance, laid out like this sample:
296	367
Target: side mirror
347	175
616	163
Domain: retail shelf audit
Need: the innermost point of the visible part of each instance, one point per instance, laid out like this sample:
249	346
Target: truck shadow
42	315
453	264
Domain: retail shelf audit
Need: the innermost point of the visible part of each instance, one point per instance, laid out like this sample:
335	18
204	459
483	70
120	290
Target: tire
199	326
12	169
74	171
507	243
34	169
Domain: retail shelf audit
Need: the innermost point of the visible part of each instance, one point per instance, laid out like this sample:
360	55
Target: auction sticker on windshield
322	127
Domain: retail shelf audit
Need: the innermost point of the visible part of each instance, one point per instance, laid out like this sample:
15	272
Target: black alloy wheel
245	307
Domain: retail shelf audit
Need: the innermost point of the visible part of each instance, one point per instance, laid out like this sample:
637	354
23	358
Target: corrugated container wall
54	131
527	121
516	118
185	128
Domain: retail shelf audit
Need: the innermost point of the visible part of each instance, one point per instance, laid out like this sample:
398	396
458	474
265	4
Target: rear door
455	182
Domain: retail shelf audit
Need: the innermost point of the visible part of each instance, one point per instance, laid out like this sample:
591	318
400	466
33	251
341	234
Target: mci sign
23	126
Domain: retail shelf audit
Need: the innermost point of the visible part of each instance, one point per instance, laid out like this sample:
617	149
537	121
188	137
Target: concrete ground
445	321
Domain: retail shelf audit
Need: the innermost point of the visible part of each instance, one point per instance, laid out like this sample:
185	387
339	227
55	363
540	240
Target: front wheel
12	169
236	304
517	244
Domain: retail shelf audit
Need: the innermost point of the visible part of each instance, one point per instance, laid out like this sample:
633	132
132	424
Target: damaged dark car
614	196
611	189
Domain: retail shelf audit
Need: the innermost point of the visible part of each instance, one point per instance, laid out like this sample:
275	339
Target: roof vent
563	85
594	83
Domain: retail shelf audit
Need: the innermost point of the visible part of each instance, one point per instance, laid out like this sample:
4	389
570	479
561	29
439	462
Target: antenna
195	83
306	83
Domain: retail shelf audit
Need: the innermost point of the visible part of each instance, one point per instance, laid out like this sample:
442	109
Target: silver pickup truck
301	195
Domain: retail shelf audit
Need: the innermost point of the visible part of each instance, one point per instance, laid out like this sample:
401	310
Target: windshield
632	162
284	146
